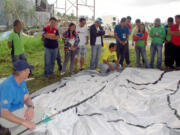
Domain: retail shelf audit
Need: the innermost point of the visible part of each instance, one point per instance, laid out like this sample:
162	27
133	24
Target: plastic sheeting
134	102
4	35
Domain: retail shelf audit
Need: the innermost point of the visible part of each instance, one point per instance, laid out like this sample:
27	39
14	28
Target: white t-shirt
83	33
98	39
72	40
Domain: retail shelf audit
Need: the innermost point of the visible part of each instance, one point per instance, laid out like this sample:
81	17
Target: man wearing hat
157	34
96	42
14	94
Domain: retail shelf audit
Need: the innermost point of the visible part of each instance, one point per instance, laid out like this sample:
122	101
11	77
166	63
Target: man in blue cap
96	41
14	94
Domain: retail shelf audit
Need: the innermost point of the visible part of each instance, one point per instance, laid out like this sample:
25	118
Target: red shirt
141	38
130	27
175	39
49	43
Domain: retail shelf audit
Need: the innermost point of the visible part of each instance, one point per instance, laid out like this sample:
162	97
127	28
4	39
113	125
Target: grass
35	56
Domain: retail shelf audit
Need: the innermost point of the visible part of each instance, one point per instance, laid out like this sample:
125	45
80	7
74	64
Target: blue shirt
12	94
121	32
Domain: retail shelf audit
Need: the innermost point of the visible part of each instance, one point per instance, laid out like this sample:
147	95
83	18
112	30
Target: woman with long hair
140	45
71	41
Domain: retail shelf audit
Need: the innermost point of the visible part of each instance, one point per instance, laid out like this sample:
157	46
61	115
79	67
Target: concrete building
40	10
109	22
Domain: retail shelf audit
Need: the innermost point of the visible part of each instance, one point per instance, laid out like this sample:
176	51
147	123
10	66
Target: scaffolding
75	4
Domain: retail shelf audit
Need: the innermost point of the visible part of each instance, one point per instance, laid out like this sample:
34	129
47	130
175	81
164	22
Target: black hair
138	21
16	22
82	19
177	16
170	19
74	32
112	45
52	19
128	17
144	28
123	19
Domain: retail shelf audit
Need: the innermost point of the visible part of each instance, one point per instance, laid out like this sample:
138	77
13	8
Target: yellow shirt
110	56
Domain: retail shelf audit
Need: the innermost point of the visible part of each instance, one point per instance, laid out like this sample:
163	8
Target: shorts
81	51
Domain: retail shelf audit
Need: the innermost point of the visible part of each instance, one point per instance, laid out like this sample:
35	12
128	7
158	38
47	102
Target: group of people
76	39
75	42
168	35
13	91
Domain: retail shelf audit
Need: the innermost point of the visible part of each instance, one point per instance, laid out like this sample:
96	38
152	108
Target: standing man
175	33
14	94
15	42
157	34
82	31
135	31
121	33
128	22
169	61
50	37
96	41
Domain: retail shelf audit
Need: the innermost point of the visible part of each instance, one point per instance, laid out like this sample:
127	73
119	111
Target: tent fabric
134	102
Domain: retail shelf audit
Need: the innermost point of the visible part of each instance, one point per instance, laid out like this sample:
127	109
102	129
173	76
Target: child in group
110	61
71	41
140	45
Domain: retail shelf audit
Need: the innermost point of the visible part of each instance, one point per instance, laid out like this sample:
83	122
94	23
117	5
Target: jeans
123	53
156	48
18	57
176	51
50	56
95	55
169	53
58	59
105	68
69	55
141	51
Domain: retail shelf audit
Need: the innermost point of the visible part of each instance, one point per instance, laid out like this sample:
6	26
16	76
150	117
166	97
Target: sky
146	10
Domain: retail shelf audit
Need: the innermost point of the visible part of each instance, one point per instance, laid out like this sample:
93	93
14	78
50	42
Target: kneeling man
110	61
14	94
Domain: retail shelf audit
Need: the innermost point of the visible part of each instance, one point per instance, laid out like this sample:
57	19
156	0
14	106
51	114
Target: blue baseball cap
21	65
99	20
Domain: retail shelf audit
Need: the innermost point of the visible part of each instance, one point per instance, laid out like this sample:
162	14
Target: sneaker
129	65
63	73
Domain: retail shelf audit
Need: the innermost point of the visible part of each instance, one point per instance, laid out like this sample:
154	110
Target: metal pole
65	7
94	9
77	9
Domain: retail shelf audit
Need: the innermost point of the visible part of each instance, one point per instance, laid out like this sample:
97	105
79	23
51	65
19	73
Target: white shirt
83	33
98	39
72	41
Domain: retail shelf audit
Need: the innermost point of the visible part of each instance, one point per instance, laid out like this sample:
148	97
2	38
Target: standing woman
71	41
140	45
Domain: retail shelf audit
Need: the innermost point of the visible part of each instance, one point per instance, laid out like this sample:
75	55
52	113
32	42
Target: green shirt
141	43
168	36
160	30
16	40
